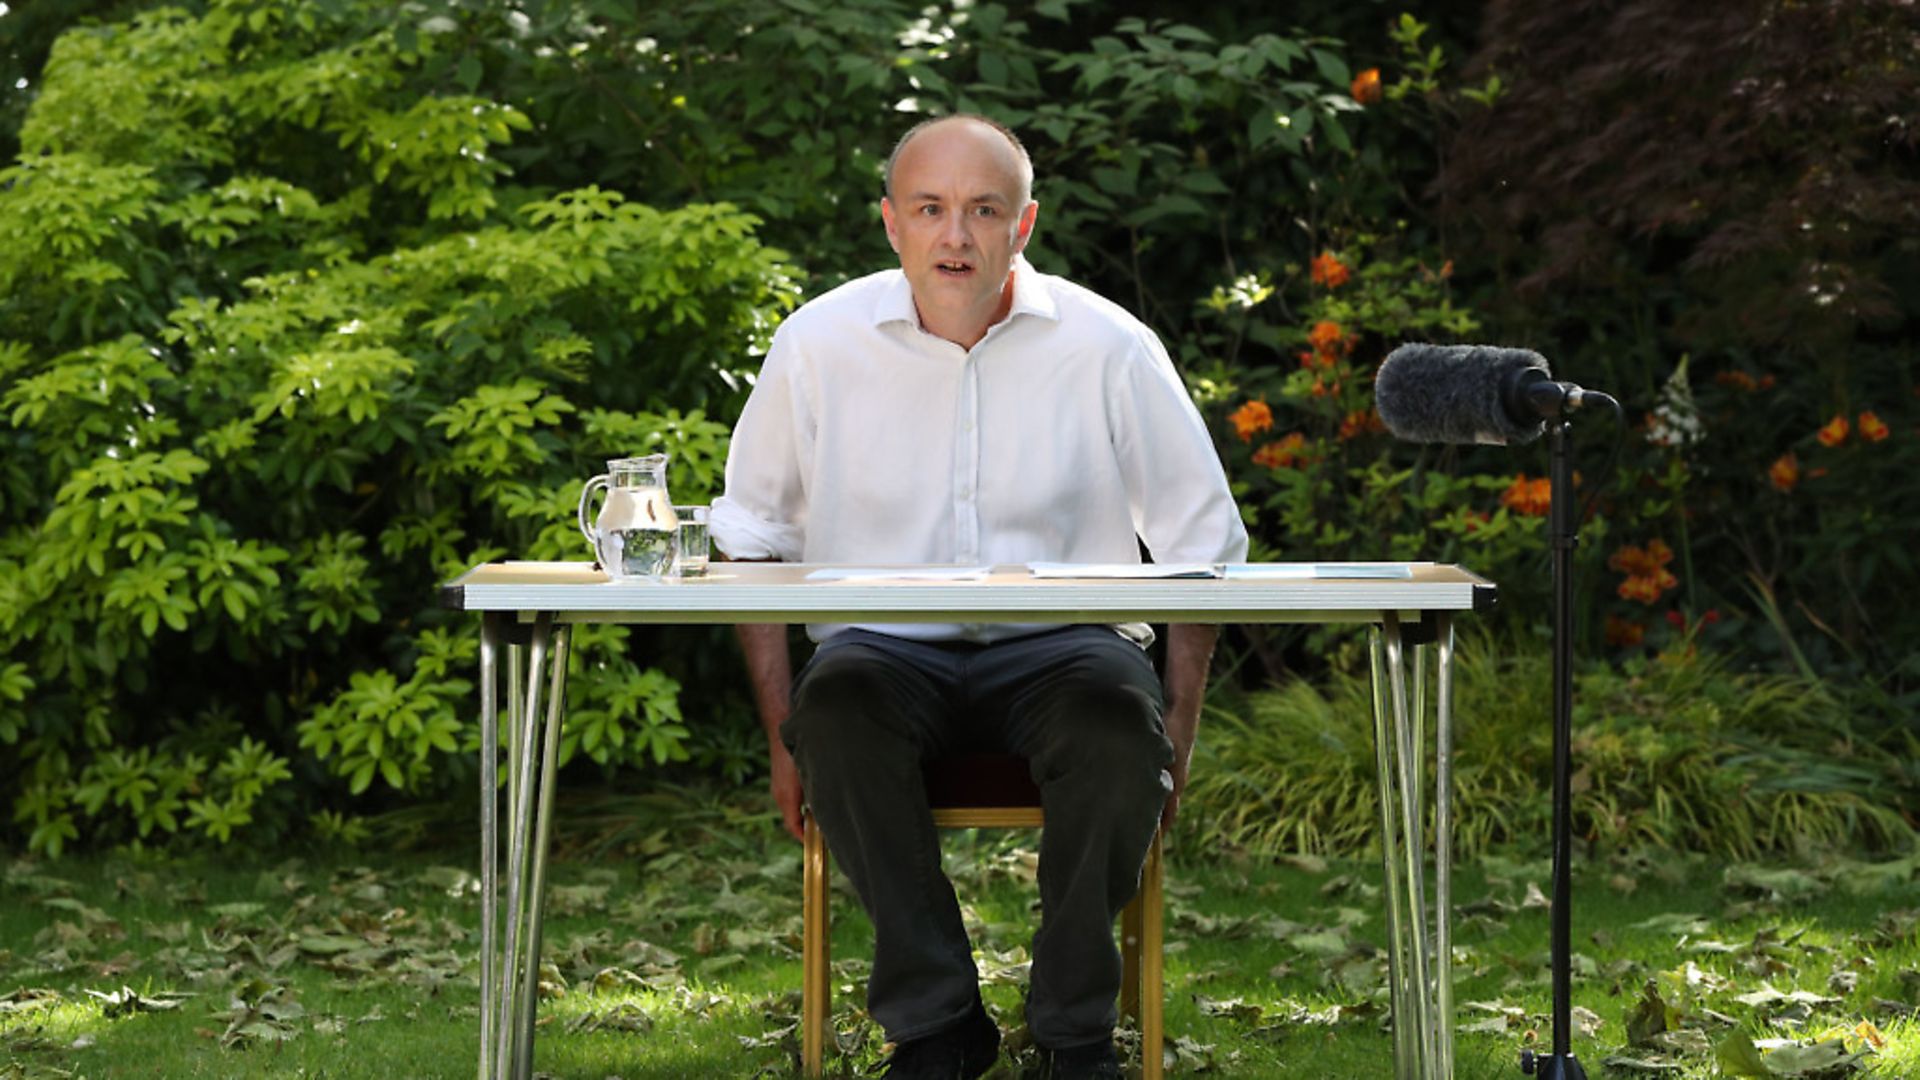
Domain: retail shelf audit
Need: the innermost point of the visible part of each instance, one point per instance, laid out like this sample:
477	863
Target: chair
987	791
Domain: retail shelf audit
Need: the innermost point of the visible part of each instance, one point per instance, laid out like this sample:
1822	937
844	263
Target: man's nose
953	231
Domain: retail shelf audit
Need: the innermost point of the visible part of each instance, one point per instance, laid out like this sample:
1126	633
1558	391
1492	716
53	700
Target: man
966	409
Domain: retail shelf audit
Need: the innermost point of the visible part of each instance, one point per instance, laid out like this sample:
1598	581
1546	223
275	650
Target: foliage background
306	305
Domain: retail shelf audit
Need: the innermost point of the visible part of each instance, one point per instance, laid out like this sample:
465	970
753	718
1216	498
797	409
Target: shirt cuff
742	534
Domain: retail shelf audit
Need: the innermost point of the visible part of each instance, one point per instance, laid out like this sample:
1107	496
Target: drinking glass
690	552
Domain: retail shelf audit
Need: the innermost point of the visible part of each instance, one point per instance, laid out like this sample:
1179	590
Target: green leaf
993	68
1332	68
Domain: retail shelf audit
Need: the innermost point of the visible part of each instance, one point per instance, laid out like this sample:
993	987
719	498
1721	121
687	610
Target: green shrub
280	349
1672	752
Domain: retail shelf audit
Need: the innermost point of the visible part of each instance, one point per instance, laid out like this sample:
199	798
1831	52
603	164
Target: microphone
1472	394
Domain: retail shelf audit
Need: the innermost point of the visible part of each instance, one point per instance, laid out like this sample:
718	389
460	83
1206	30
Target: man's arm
770	669
1189	653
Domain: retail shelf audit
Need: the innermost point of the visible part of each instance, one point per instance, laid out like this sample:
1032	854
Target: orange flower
1473	521
1324	336
1624	633
1872	428
1366	87
1647	588
1785	472
1532	497
1739	380
1283	454
1359	422
1251	419
1647	561
1835	432
1329	271
1646	570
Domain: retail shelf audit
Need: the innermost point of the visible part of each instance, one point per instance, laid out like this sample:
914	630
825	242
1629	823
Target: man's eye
985	211
929	211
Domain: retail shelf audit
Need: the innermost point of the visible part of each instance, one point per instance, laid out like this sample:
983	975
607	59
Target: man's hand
1183	723
770	670
1189	652
786	787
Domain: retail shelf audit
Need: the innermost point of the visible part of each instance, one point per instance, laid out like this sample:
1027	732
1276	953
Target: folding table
528	608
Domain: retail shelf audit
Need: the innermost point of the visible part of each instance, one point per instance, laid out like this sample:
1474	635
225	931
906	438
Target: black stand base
1551	1066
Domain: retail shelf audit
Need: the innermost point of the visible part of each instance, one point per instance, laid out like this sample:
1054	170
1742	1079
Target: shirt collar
1030	297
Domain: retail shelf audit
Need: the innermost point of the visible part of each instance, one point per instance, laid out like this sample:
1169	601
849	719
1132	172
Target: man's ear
1024	231
886	217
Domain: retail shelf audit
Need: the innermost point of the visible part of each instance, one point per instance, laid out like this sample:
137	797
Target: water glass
690	552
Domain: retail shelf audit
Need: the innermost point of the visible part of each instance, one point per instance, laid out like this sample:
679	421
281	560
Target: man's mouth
953	267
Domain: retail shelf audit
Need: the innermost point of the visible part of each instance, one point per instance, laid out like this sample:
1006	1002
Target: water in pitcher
637	528
633	536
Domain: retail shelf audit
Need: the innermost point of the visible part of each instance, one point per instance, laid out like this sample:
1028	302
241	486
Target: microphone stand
1561	1064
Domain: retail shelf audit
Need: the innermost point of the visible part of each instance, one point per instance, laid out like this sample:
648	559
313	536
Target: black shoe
961	1052
1094	1061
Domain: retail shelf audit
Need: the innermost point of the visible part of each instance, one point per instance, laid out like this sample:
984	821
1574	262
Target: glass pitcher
633	536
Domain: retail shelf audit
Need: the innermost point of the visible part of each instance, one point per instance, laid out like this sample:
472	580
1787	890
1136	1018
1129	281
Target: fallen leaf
126	1001
1645	1065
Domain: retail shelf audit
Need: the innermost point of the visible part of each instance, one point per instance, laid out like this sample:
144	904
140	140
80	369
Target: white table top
780	593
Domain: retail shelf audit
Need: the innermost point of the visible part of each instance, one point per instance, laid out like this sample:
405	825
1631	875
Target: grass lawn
677	956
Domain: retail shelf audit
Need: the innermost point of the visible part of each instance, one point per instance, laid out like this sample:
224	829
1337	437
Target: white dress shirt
1061	436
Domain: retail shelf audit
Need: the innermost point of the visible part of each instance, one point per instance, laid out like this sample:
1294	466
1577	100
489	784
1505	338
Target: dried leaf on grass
1739	1055
1184	1057
621	1016
126	1001
28	999
1643	1065
259	1013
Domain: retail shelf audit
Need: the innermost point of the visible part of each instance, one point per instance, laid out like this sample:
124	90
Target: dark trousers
1082	704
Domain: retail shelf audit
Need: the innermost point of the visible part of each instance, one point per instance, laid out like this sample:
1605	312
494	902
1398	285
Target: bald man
966	409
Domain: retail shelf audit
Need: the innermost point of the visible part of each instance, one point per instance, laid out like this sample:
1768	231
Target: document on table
1315	571
1123	570
901	573
1229	571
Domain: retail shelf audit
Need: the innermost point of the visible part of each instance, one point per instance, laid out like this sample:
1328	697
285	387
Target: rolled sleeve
743	534
1182	505
762	514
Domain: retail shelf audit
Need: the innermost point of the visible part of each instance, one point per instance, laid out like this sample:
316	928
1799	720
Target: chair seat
987	791
969	780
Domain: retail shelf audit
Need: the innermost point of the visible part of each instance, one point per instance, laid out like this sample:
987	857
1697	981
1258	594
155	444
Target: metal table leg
489	826
1384	744
1419	946
510	954
1443	843
542	829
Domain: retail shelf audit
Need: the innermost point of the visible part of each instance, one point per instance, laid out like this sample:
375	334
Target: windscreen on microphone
1455	393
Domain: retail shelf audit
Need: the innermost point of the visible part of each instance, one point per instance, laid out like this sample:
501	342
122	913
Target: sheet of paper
900	573
1315	571
1123	570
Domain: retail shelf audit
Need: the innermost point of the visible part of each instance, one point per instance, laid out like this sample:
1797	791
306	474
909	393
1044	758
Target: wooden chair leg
1130	956
1151	985
815	946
